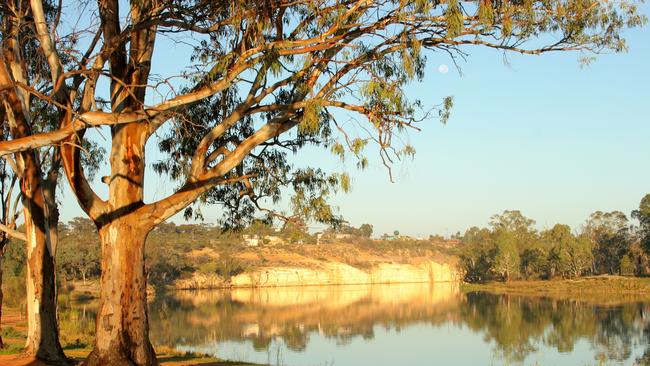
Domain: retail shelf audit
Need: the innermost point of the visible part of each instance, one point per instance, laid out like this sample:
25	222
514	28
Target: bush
627	266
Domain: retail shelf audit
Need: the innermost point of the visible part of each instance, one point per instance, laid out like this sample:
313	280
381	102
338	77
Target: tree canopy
605	244
266	79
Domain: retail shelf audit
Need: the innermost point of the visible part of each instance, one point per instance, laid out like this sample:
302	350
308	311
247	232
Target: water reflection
399	324
293	313
519	326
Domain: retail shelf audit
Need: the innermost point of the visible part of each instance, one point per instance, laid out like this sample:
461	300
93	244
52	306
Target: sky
539	134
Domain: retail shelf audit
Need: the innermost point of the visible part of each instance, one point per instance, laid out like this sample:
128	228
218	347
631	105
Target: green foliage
580	256
10	332
78	253
643	215
326	57
228	266
14	258
557	241
627	266
445	111
486	13
312	187
296	232
506	255
14	290
259	227
476	256
11	349
365	230
165	266
454	18
338	150
311	120
512	221
76	323
513	248
610	237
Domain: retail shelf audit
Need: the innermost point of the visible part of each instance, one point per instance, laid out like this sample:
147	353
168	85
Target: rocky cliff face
330	274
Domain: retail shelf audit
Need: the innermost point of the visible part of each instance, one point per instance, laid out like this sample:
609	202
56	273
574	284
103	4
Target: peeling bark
42	331
122	327
1	293
122	322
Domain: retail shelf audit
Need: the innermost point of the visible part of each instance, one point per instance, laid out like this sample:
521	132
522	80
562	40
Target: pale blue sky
539	134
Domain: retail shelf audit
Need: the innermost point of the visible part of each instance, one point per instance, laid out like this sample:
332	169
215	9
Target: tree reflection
516	327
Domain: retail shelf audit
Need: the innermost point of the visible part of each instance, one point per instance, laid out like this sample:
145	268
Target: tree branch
13	233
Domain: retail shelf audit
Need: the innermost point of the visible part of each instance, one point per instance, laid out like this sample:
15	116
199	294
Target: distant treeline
168	250
511	248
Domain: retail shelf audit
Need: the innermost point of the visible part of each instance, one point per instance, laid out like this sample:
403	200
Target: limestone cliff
329	273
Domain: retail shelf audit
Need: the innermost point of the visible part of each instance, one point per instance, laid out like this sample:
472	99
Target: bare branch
13	233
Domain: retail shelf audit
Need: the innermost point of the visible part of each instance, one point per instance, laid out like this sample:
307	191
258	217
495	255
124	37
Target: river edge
11	355
16	359
602	290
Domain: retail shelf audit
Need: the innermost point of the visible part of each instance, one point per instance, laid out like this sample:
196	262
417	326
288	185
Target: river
400	324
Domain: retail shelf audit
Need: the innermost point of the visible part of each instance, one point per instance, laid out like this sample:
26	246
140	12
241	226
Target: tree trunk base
118	357
51	359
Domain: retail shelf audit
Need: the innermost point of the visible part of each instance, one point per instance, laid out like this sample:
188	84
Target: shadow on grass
191	360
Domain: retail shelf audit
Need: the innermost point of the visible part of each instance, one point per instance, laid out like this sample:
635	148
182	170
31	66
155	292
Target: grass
11	332
171	356
11	349
596	289
14	342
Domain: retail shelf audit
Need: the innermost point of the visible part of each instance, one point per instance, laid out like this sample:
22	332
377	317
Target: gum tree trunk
122	336
122	323
1	293
42	331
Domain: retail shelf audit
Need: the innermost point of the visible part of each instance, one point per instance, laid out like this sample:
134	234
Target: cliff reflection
292	313
515	327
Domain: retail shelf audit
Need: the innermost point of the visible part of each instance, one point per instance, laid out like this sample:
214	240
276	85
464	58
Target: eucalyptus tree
609	233
268	77
506	262
8	214
643	215
38	171
24	80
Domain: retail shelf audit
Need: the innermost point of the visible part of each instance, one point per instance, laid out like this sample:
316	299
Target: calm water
408	324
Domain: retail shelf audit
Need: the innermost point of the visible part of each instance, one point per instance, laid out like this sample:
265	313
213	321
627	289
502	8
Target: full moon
443	69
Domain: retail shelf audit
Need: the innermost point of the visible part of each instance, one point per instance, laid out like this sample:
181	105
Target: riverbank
595	289
322	273
14	337
163	359
297	265
14	330
308	265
